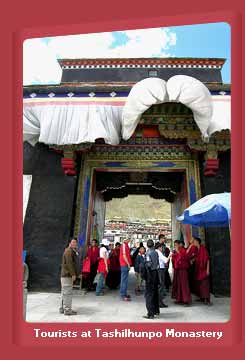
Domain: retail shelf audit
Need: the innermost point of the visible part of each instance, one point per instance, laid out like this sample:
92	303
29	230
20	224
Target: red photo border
42	20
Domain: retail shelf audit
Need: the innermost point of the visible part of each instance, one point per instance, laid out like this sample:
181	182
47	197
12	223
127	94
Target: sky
40	55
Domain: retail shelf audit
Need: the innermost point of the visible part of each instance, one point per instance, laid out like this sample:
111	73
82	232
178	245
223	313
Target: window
153	73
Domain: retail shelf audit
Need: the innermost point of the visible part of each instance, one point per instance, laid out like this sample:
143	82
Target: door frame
87	185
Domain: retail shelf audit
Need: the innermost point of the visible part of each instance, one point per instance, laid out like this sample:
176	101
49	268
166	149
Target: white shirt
103	253
162	259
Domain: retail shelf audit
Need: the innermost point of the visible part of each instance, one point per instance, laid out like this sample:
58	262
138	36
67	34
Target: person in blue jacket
139	260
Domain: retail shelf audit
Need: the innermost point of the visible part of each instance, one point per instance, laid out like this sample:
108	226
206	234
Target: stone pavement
44	307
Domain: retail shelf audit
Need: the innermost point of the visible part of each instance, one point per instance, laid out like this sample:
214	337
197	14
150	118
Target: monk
191	253
181	290
202	264
114	275
93	254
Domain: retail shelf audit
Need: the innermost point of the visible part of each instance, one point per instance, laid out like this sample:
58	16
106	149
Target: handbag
96	279
86	265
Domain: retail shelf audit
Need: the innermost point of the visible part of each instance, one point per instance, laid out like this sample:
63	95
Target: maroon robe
191	253
114	260
93	254
201	276
114	275
181	290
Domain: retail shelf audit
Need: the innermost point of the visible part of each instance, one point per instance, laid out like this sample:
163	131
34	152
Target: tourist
182	243
162	240
114	275
125	263
151	281
93	255
163	261
202	264
167	280
134	248
166	253
136	251
137	263
181	290
110	248
102	267
69	274
191	252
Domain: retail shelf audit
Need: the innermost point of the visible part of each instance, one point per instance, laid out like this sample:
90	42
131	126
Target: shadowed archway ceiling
121	184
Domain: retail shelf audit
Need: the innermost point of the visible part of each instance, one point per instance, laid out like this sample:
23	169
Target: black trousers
167	280
151	293
113	279
93	272
161	287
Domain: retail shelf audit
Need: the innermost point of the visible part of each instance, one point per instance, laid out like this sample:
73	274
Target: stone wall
218	239
48	219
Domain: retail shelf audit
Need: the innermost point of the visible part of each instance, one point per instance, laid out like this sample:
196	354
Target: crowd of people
108	265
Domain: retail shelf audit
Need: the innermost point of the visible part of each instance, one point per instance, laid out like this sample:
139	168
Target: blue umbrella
210	211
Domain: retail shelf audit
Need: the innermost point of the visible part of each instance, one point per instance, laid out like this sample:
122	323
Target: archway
176	181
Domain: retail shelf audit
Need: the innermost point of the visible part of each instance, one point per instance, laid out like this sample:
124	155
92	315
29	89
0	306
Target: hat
105	242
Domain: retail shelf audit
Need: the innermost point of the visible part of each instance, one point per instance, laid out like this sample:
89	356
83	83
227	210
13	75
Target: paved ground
43	307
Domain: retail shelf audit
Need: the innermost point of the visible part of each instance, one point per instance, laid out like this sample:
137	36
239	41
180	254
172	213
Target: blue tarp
210	211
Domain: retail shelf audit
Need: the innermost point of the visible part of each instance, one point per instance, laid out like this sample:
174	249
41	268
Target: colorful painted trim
92	94
141	63
36	101
92	99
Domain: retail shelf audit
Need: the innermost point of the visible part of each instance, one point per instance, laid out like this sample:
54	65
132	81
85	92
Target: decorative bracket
68	162
211	165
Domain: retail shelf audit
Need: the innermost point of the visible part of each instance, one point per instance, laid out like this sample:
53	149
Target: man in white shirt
163	260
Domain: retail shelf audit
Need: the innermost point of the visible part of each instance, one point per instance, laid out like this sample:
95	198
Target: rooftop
215	63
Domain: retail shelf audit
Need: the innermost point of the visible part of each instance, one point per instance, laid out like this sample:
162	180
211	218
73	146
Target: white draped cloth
196	96
143	95
211	113
221	118
72	124
62	121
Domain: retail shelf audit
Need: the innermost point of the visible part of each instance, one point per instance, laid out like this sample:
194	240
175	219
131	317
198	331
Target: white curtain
60	122
143	95
72	124
196	96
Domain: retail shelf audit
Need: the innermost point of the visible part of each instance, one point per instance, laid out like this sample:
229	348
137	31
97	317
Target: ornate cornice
82	88
219	141
211	63
149	152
